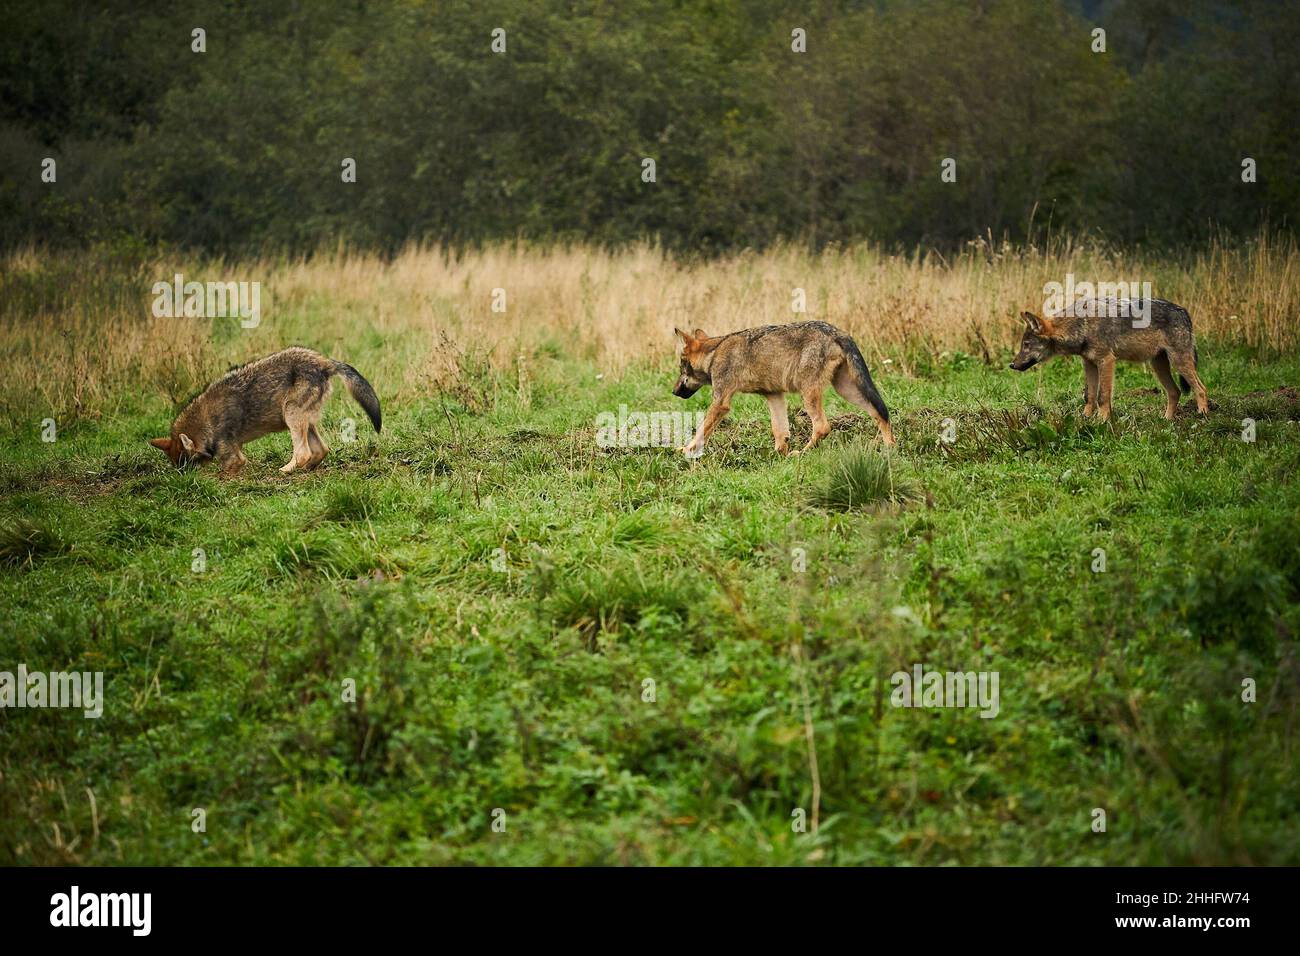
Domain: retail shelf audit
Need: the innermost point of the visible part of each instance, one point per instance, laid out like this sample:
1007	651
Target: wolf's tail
863	377
1185	385
360	391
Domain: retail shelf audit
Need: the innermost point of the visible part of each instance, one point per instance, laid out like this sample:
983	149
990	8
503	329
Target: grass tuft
856	478
24	542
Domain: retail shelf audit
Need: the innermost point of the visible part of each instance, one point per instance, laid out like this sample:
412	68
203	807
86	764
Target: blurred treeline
239	149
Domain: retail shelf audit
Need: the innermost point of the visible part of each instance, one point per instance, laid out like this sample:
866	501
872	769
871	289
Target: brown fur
284	391
804	357
1092	330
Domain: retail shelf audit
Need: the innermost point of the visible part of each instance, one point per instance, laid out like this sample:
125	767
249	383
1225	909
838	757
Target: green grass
858	478
501	590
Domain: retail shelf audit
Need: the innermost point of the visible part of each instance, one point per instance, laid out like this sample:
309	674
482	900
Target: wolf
1102	332
282	391
803	357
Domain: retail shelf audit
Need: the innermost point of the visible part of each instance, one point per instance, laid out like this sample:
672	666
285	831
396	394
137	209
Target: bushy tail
1185	385
360	391
863	377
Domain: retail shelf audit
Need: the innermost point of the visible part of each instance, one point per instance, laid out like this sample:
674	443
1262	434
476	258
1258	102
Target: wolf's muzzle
1022	366
684	391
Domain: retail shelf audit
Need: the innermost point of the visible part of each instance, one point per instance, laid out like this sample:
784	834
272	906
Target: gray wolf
803	357
285	390
1102	332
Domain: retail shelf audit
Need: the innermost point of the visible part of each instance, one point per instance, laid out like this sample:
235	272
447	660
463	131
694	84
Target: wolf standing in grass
1102	332
804	357
282	391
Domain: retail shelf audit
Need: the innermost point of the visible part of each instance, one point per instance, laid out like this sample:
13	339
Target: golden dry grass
79	340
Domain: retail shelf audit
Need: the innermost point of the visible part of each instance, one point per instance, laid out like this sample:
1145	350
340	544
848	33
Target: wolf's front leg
1105	386
1090	376
232	460
716	413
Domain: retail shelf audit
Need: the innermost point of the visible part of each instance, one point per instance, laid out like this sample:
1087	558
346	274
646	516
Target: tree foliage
240	147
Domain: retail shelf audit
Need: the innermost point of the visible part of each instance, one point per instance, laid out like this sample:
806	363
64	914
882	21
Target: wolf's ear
164	443
701	334
1033	321
685	337
187	444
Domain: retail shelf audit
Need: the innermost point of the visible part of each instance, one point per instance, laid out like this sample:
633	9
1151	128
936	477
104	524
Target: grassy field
501	588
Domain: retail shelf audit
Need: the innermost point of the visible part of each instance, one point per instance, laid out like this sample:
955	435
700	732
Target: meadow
571	654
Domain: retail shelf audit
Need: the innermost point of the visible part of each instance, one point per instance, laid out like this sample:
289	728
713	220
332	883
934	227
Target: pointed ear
686	339
187	444
1033	321
701	334
164	443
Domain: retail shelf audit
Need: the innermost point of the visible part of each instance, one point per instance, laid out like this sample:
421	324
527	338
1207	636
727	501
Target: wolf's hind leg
812	403
780	422
317	444
847	387
1185	364
298	421
1160	365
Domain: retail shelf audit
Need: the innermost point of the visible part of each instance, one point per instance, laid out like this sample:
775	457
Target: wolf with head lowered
284	391
804	358
1104	331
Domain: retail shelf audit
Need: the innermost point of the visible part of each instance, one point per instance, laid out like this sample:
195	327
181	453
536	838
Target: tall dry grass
78	337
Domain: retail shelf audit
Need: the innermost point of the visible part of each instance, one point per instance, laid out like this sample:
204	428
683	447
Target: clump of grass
637	530
605	601
855	478
24	542
350	502
142	528
323	554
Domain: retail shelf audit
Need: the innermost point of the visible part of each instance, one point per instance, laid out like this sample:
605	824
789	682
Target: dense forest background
239	149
